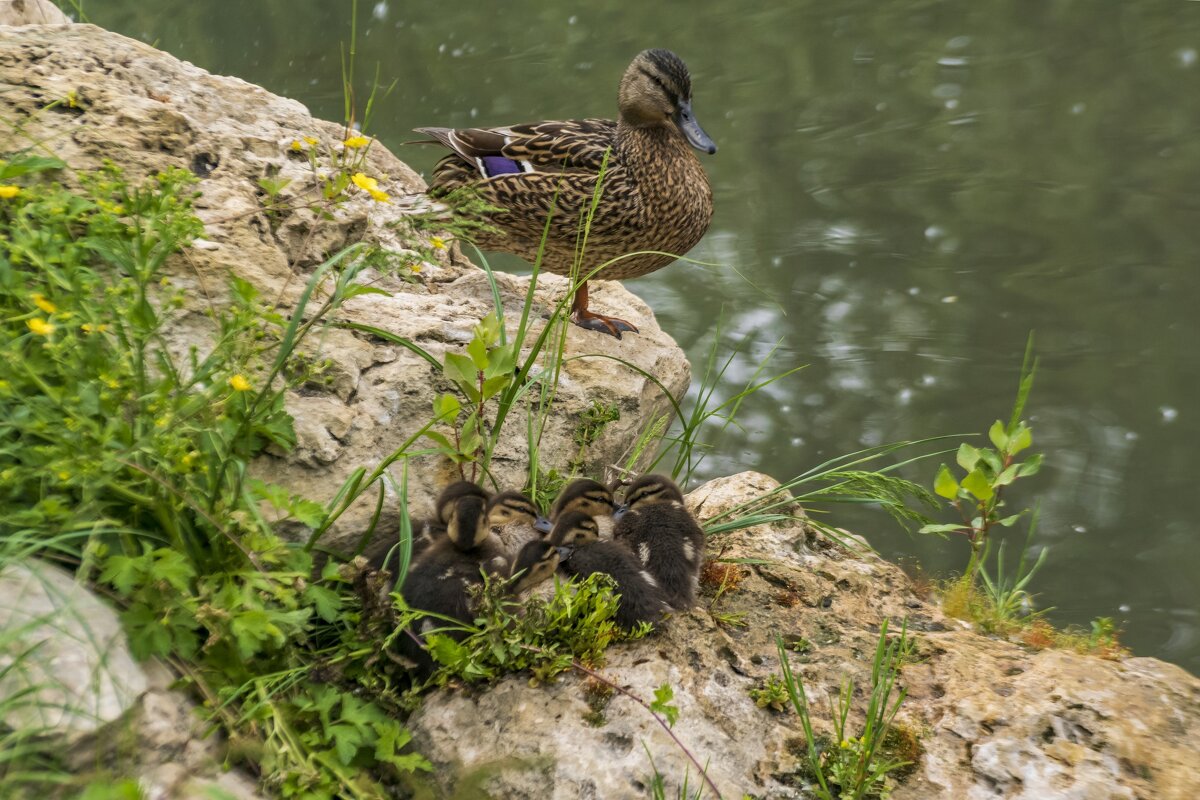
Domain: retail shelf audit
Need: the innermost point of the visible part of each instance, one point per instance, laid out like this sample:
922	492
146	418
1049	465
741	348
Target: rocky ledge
989	718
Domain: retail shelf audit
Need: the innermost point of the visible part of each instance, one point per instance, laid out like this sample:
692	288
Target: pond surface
904	191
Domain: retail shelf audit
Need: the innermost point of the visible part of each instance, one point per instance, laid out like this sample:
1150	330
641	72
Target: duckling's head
650	489
466	524
656	90
585	495
509	508
535	562
452	494
574	529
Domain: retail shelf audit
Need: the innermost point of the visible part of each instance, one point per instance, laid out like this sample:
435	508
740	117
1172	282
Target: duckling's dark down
441	580
589	497
514	520
663	535
582	553
655	197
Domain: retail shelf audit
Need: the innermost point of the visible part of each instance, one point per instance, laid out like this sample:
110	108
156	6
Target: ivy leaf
944	484
663	696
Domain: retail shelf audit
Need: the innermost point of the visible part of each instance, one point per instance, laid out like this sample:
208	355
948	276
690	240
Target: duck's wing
563	146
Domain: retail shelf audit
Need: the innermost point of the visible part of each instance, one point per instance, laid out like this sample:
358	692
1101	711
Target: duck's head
656	90
573	529
649	490
452	494
535	562
584	495
466	523
509	508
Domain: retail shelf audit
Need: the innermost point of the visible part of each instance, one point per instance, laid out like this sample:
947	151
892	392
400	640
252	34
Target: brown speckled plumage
655	194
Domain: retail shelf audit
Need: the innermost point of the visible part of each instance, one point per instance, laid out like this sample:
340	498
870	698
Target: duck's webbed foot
597	322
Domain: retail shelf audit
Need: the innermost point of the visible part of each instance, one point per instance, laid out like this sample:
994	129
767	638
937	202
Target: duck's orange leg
596	322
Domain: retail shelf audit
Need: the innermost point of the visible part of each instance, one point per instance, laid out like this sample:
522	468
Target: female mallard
655	195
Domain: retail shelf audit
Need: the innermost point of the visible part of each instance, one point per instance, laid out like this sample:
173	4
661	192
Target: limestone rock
31	12
67	648
993	719
148	111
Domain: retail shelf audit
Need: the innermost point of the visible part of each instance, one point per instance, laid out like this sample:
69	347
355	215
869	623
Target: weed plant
848	766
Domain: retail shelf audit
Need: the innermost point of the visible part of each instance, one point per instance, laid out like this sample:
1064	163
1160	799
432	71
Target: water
903	192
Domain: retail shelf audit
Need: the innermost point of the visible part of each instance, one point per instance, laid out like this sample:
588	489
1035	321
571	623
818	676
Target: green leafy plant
850	767
771	693
978	494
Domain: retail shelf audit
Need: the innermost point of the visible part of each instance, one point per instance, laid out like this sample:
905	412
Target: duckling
441	580
590	497
427	531
514	520
666	539
581	552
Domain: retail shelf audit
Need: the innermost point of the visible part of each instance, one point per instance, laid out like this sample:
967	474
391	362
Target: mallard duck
582	553
655	194
514	520
592	498
663	535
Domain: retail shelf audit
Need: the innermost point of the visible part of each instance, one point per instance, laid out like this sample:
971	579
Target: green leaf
941	529
967	456
461	370
997	435
355	289
346	741
326	602
1008	475
663	696
944	484
446	408
122	572
1031	466
477	350
991	459
442	441
977	484
501	361
1008	522
1021	439
493	386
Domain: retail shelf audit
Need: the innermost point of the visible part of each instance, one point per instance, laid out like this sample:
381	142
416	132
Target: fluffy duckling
514	520
433	529
667	541
581	552
441	580
589	497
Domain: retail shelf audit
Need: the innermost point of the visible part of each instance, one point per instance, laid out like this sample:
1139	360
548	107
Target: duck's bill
692	131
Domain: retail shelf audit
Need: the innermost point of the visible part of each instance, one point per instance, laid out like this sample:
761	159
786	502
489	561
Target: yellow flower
8	190
370	186
845	744
44	304
415	268
40	326
310	140
296	145
357	141
63	475
240	384
437	242
90	328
